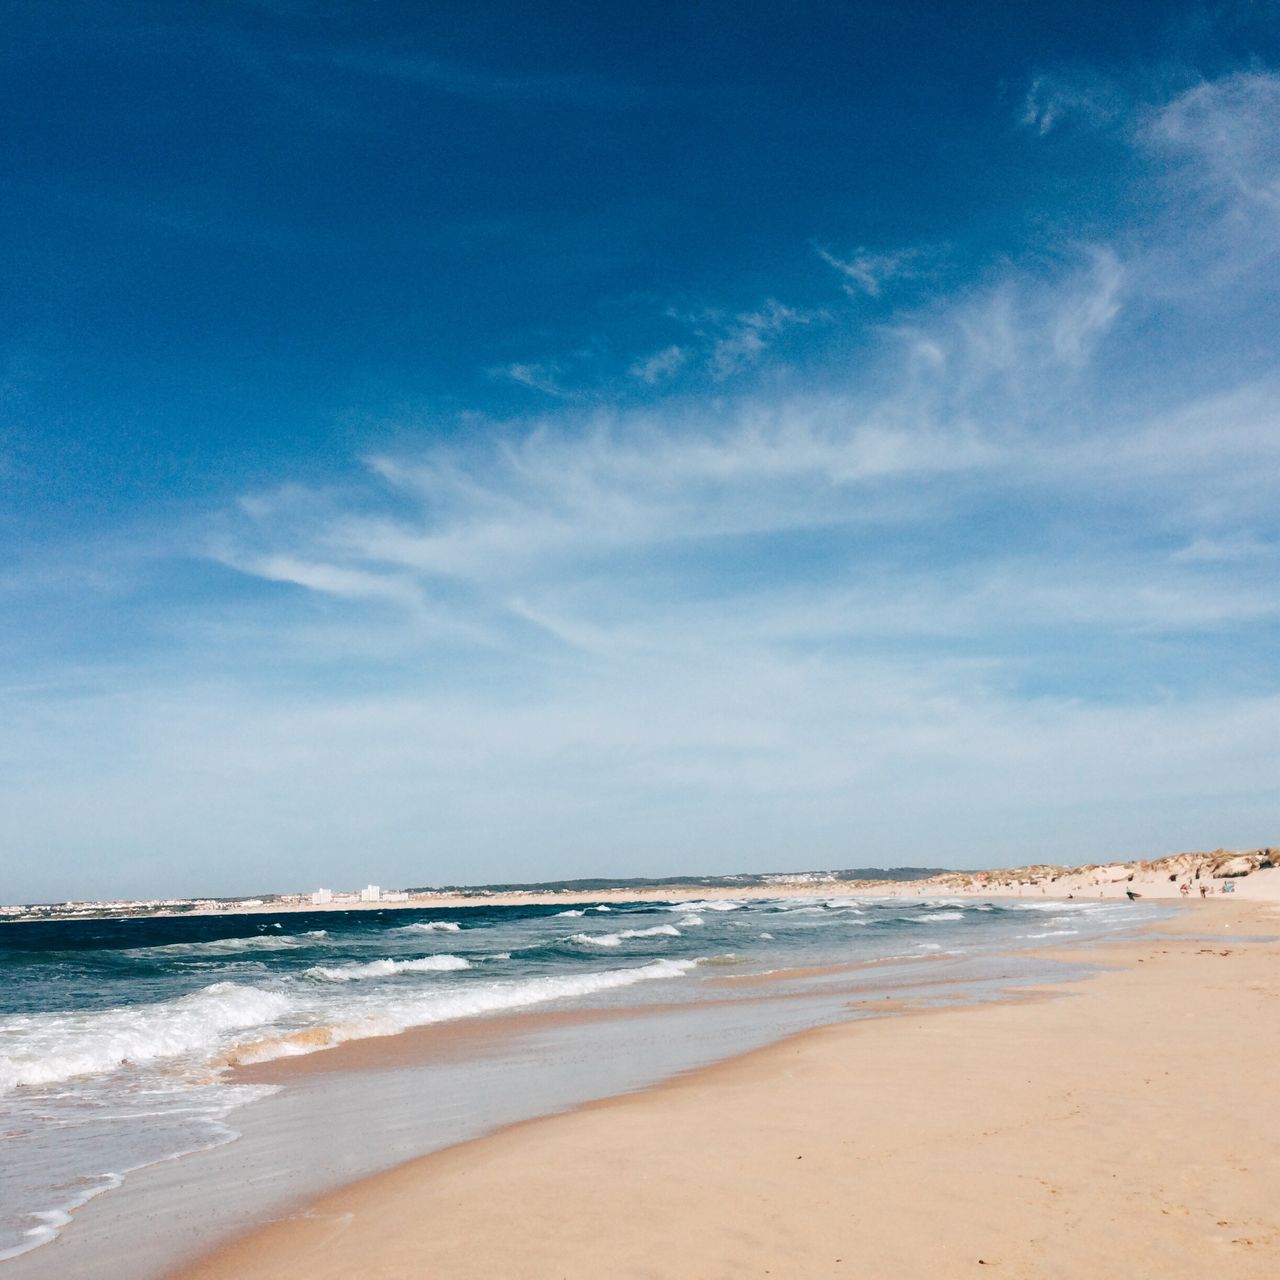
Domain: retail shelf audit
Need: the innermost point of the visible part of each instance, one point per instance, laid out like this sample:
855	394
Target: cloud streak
998	584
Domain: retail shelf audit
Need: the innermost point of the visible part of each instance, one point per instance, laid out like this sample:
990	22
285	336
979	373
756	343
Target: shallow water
113	1034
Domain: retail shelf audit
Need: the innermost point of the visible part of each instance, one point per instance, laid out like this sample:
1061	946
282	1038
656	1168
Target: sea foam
387	968
52	1047
617	939
709	904
223	946
447	1006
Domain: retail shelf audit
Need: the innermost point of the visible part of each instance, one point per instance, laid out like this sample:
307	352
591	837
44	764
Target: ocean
116	1037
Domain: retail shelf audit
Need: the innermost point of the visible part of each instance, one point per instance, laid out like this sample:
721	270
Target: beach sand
1126	1125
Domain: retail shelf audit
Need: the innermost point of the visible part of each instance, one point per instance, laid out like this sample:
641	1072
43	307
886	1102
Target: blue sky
497	442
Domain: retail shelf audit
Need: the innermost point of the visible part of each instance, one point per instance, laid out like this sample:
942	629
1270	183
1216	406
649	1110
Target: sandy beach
1123	1125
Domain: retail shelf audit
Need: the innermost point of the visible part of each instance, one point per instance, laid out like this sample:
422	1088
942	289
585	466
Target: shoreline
356	1108
1253	872
570	1219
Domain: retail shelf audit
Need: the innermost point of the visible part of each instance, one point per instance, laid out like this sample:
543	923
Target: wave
823	908
55	1047
464	1003
690	921
616	939
709	904
571	913
224	946
387	968
941	915
430	926
1049	905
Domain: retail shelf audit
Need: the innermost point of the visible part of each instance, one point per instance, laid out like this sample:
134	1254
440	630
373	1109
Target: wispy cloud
746	337
1226	549
998	584
867	272
1088	310
1056	98
537	377
659	366
1226	129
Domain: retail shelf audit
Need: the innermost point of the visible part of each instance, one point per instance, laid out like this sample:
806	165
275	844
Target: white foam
616	939
51	1221
472	1001
690	921
942	915
571	913
47	1048
431	926
221	946
387	968
708	904
1051	905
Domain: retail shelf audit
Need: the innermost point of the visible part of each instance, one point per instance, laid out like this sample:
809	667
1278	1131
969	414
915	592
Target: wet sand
1124	1125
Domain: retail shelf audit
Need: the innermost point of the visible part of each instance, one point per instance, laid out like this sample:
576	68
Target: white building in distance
371	894
322	897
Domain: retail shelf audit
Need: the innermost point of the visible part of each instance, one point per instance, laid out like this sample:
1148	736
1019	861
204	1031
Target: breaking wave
617	939
387	968
52	1047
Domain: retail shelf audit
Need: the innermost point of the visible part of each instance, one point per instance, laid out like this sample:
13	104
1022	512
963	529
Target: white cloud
867	272
1228	127
334	580
1226	549
1085	315
994	589
537	377
745	338
1054	99
659	366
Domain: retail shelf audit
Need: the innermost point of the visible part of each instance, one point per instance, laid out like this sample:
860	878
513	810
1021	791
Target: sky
467	443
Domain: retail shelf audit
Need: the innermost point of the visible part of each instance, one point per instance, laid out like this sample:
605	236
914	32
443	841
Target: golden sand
1127	1125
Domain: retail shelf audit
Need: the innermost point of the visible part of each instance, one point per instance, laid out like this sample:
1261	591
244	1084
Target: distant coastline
1252	872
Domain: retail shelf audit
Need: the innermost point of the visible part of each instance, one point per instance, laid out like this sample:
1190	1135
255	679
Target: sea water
116	1036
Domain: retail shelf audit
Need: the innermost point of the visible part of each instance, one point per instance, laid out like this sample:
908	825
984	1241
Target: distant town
374	896
370	895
